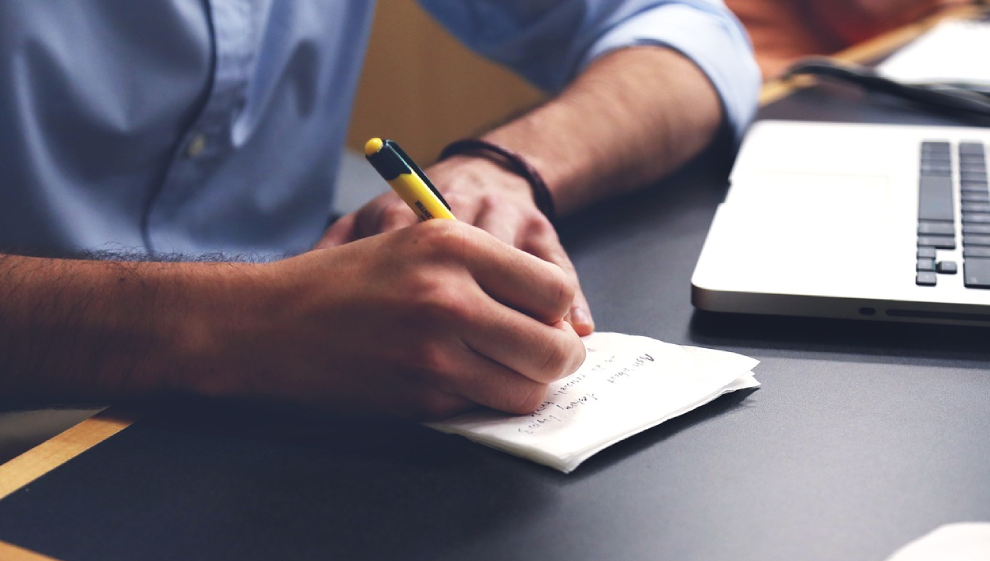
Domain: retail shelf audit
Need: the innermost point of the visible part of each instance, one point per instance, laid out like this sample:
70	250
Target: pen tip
373	146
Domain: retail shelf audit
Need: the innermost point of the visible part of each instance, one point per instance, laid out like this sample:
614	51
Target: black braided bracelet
512	162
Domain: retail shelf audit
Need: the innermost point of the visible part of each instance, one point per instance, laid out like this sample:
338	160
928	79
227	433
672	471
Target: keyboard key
966	175
976	239
976	272
976	207
925	252
970	186
976	196
971	148
926	278
925	265
946	267
935	146
940	242
936	167
935	198
979	229
976	218
976	251
938	228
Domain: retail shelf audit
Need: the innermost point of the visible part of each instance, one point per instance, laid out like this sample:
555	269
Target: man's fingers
504	225
339	233
543	353
391	214
384	213
515	278
544	244
539	238
489	383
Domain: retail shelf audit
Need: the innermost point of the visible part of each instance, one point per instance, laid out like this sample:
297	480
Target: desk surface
863	437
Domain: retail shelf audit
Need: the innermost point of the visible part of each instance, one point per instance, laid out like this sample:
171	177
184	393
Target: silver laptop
840	220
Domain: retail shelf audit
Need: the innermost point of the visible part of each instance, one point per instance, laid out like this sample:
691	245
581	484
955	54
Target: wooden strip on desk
54	452
10	552
868	50
779	89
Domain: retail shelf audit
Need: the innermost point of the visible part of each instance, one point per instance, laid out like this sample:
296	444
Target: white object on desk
953	51
626	385
964	541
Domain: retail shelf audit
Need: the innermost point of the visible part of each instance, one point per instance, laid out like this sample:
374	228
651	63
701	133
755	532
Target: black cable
967	99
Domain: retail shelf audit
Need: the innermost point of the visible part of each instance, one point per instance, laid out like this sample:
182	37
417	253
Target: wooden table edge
45	457
10	552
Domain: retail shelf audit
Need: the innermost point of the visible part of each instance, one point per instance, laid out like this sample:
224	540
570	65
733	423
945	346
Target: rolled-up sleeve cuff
714	40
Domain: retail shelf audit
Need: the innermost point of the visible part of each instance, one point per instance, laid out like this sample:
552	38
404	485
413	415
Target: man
187	128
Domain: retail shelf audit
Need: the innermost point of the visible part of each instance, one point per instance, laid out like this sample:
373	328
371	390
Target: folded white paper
626	385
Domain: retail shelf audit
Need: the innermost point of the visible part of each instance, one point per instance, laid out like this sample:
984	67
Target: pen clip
415	169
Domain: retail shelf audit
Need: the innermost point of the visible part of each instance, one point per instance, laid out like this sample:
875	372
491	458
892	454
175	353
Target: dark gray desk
863	437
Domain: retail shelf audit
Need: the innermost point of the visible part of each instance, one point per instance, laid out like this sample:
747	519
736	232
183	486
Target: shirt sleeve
549	41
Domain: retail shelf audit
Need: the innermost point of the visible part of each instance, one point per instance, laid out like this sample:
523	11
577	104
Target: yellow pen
406	179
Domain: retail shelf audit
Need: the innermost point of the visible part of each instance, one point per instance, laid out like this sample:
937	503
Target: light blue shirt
197	126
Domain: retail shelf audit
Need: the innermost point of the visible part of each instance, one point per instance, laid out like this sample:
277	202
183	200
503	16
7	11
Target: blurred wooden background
447	92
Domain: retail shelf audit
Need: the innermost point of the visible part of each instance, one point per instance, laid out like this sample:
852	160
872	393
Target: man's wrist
467	172
510	161
222	312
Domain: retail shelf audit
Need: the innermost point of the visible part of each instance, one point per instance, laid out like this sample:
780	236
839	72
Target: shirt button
196	146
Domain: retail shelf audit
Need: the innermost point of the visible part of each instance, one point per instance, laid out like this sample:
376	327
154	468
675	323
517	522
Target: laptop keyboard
937	217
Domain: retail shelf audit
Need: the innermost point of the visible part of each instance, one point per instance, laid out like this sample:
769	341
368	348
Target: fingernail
581	321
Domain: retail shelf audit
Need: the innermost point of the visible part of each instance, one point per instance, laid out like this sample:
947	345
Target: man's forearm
419	323
83	331
630	118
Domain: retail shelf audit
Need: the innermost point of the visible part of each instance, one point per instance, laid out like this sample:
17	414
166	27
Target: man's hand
485	195
631	117
420	323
